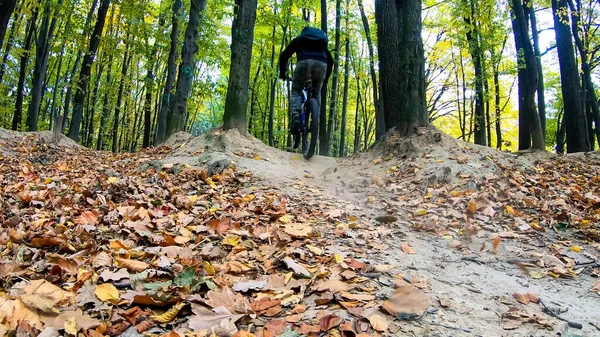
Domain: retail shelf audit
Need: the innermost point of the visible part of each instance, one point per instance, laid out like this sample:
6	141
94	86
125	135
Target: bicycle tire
309	146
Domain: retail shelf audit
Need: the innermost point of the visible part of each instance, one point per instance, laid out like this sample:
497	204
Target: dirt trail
470	290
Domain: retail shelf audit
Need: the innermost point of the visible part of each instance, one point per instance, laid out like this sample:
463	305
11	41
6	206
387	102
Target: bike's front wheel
310	134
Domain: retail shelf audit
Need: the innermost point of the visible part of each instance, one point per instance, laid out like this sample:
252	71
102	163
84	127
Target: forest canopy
121	75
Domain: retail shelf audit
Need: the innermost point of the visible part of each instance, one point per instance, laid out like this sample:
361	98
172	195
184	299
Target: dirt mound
177	139
438	157
10	139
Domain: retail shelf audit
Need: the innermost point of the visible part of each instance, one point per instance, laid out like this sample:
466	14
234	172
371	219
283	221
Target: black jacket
305	49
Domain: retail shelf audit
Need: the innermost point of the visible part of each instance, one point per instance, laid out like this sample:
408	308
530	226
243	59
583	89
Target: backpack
314	38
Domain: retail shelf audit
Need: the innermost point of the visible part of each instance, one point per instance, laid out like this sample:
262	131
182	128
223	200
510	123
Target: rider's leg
301	75
319	70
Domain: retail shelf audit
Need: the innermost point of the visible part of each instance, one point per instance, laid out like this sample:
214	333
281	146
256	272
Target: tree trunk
86	69
379	120
253	98
105	105
14	28
388	41
55	90
42	51
92	104
498	110
528	77
6	9
336	74
273	81
323	109
342	150
541	99
152	63
88	21
126	59
575	118
561	133
590	92
242	30
477	55
411	86
186	69
163	114
30	31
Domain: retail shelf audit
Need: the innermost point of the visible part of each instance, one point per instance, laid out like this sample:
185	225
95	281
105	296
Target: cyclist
314	63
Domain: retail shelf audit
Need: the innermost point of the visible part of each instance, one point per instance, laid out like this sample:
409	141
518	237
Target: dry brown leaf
40	302
495	244
298	230
408	300
12	312
526	298
329	322
407	248
358	297
296	267
235	303
306	329
379	323
596	287
47	290
294	318
332	285
276	327
132	265
299	309
206	319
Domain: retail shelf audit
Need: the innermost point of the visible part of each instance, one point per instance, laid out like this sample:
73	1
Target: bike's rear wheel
310	134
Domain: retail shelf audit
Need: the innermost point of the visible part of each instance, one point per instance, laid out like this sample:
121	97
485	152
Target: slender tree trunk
92	105
14	28
42	51
497	105
6	9
253	98
55	90
575	118
561	133
152	63
541	100
528	73
30	31
336	74
273	81
323	147
342	150
590	92
86	69
386	16
186	69
242	29
115	132
71	85
105	105
379	120
476	54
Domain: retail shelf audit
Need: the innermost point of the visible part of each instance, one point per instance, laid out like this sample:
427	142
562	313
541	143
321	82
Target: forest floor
425	236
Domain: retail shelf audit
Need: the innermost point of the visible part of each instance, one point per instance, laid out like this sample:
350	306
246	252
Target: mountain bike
309	122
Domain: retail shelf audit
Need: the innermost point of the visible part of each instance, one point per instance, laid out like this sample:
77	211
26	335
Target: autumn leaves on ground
95	243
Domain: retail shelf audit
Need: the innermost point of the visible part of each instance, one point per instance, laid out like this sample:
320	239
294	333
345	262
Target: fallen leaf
276	327
234	302
169	315
495	244
596	287
332	285
40	302
206	319
407	248
232	240
298	230
264	304
132	265
47	290
249	285
358	297
526	298
71	326
299	309
379	323
107	292
296	267
329	322
407	300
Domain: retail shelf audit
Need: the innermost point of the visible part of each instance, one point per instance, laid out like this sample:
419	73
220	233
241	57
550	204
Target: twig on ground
595	325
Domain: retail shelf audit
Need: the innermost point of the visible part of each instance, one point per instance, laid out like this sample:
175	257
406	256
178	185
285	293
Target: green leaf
185	278
153	288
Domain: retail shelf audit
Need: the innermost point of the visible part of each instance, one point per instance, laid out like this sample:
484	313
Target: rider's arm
285	56
329	65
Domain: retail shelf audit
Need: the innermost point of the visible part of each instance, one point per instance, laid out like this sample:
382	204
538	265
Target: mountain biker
314	63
